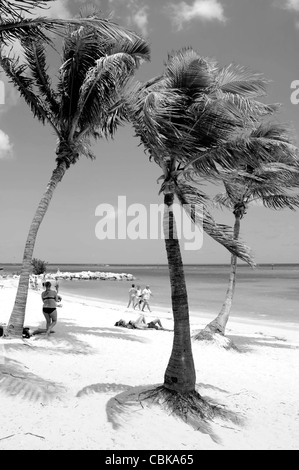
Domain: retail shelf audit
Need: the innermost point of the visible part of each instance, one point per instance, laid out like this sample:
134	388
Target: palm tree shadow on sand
241	343
244	344
69	338
135	399
16	381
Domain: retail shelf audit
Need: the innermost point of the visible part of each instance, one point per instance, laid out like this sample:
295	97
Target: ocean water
269	292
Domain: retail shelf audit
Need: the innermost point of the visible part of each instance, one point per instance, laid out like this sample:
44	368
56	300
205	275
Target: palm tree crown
95	66
97	62
191	120
269	178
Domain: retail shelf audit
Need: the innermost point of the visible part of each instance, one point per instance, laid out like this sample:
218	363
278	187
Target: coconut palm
269	183
96	63
188	120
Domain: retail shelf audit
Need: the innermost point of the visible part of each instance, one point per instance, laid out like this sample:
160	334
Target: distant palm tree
188	120
96	64
268	183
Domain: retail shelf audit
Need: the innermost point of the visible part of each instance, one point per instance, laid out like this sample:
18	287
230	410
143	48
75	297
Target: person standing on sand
50	299
138	298
56	284
132	296
146	295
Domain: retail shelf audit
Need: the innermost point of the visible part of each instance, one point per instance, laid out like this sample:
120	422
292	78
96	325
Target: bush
39	266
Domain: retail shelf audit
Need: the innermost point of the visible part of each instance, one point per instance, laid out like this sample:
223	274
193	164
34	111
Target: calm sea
269	292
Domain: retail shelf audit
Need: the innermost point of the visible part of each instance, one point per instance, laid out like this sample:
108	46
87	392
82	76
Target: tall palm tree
270	183
187	119
96	64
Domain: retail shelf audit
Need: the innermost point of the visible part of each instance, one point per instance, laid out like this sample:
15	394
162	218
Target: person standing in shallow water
50	299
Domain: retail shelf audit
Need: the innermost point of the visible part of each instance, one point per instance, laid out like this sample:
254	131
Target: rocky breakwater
91	275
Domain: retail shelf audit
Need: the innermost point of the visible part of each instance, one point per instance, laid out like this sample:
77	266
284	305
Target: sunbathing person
141	324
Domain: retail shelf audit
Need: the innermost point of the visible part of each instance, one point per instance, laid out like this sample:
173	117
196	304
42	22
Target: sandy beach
80	388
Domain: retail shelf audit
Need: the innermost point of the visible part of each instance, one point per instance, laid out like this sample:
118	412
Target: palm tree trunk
16	321
180	372
219	324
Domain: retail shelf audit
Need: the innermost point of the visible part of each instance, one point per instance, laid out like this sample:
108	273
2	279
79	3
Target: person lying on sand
141	324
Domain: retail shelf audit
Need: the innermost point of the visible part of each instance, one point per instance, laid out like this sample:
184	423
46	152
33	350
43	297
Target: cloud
135	12
292	5
5	145
58	9
140	19
205	10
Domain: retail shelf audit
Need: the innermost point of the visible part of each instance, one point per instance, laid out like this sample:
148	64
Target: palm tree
96	64
187	119
269	183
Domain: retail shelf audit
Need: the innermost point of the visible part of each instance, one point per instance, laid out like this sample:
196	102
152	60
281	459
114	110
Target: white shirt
146	294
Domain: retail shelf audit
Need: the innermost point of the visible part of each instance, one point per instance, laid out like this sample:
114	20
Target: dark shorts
48	310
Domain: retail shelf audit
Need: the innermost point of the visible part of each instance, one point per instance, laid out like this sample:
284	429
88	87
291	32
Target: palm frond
83	48
195	205
14	8
237	79
189	72
20	28
35	54
222	200
24	84
281	201
282	132
277	171
101	89
80	52
250	109
137	48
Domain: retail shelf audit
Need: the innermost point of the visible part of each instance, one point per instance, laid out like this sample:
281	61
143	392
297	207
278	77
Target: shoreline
198	319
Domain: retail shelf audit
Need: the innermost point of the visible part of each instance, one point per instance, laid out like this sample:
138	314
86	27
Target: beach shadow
210	387
16	381
69	338
102	388
136	399
247	344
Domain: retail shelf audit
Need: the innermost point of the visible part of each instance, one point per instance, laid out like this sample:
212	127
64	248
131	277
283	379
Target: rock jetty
90	275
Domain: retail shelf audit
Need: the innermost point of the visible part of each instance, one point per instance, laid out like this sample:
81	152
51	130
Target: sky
260	34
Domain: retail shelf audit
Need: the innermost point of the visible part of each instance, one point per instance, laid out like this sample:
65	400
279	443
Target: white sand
79	388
